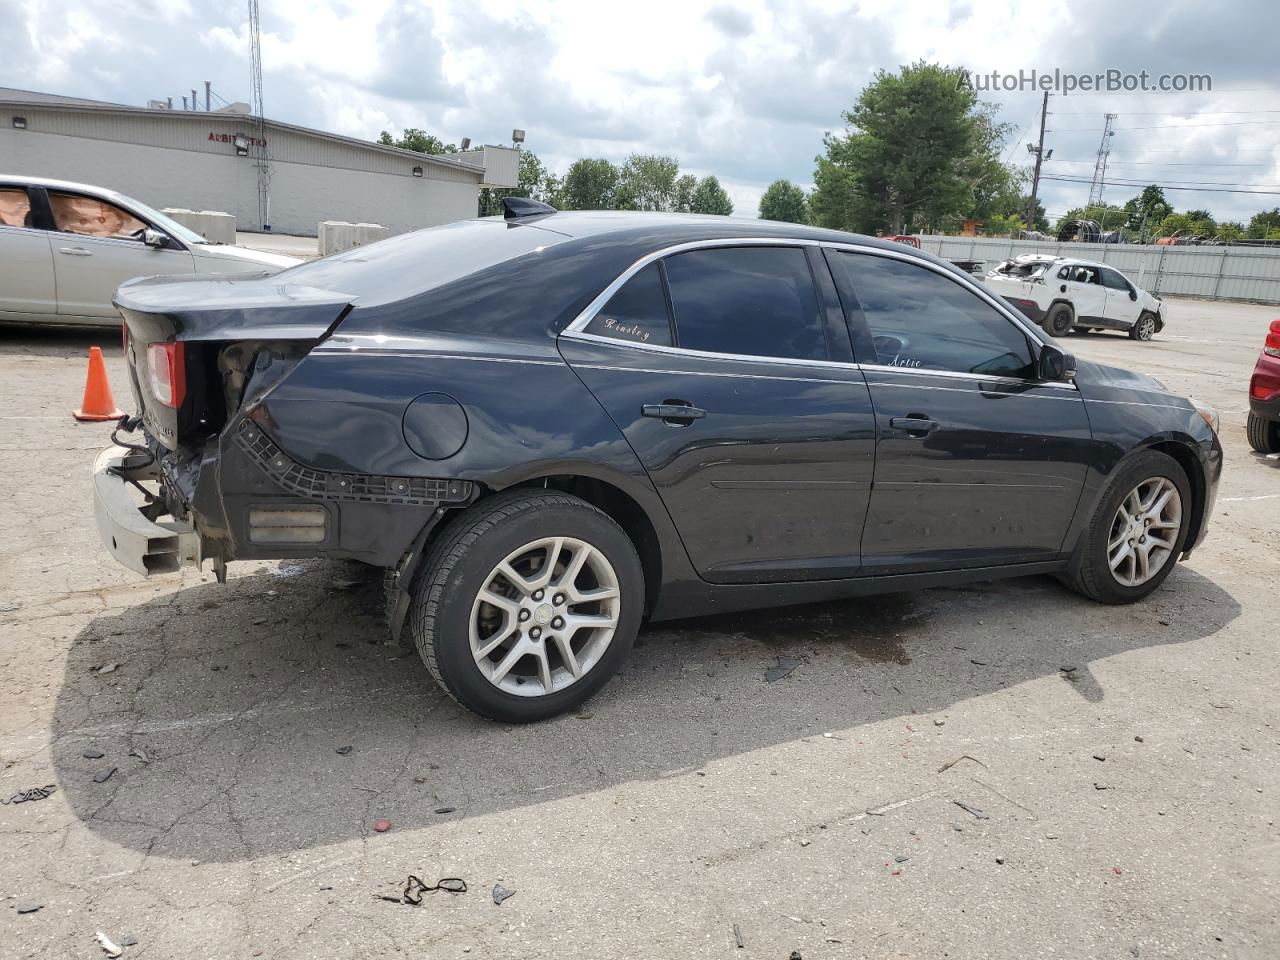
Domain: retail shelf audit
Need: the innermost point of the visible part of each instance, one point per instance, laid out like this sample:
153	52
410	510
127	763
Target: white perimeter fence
1213	273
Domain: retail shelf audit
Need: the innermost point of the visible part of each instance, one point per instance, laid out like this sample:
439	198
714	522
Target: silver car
66	247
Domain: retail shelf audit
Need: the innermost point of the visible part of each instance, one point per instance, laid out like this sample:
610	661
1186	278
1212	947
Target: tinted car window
757	301
637	312
1114	281
920	319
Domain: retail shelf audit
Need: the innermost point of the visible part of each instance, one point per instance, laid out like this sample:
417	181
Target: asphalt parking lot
1002	770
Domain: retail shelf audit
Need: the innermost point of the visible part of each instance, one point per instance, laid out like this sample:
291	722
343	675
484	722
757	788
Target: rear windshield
413	263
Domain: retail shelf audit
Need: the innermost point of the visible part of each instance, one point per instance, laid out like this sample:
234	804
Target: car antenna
516	208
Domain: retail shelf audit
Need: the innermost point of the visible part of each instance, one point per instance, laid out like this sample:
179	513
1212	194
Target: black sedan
550	426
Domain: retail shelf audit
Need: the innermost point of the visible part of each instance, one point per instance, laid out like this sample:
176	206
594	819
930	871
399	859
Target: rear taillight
1272	346
167	369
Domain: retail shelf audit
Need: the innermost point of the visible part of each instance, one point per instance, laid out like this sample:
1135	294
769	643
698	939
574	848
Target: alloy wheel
544	616
1144	531
1146	328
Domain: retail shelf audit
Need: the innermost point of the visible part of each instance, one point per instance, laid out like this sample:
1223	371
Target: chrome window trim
715	373
576	329
925	386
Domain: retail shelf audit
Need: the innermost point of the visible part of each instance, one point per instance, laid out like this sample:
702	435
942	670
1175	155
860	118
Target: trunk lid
214	334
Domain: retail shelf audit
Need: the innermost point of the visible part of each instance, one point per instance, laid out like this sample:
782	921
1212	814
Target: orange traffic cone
97	403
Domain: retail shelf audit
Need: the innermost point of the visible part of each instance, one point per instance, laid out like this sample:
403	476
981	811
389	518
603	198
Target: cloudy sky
744	90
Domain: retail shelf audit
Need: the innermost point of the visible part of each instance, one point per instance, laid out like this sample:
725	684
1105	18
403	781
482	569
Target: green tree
1003	225
417	140
710	197
648	182
532	181
784	201
589	184
1230	231
1041	221
1146	210
685	187
919	149
1186	225
1262	223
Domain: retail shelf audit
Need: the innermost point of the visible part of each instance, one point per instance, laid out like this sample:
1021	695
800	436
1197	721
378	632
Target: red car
1264	395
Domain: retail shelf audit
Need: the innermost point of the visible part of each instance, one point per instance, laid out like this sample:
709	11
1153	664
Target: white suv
1062	294
66	247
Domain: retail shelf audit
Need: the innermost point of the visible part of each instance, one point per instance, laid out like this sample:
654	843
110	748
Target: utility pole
1038	150
1100	168
261	157
207	86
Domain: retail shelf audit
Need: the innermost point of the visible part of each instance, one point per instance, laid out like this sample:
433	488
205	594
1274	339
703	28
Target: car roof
50	184
664	228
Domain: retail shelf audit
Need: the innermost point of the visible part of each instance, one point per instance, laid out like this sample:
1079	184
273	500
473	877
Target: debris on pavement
970	809
414	888
795	955
29	906
381	826
783	668
108	668
901	858
345	584
445	809
964	756
342	751
93	754
737	937
501	893
109	948
141	754
103	776
30	794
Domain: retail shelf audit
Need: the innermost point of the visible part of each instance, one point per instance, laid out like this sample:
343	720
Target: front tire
1059	321
1145	328
527	604
1137	531
1264	436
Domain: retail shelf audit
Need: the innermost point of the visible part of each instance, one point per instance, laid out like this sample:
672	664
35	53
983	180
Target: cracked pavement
1123	761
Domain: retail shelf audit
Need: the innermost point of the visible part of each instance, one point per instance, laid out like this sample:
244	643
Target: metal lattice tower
258	150
1100	168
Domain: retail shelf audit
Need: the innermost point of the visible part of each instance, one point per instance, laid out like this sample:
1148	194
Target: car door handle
75	251
675	412
914	426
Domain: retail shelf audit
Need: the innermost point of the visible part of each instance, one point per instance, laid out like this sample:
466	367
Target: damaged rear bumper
143	544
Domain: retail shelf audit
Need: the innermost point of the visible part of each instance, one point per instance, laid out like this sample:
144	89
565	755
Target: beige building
210	161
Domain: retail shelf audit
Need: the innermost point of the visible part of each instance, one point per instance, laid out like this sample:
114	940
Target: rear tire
1094	571
1264	436
534	649
1059	320
1145	327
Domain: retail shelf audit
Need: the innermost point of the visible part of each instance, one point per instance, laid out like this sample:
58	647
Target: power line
1117	183
1181	126
1161	113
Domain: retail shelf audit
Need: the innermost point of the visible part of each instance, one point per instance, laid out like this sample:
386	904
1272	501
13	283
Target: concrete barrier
214	225
338	235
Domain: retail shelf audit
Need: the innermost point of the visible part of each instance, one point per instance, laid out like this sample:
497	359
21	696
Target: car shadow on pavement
229	716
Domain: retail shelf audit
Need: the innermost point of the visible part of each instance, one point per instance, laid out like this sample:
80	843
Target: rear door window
637	313
751	301
15	207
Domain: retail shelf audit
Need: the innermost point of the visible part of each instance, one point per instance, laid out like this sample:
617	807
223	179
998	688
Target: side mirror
1055	364
154	238
1133	294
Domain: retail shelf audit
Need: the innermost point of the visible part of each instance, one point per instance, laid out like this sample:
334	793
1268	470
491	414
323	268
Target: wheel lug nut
524	615
537	594
558	622
558	599
535	633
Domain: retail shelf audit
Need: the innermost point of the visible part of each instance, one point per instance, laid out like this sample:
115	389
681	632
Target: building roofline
103	107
